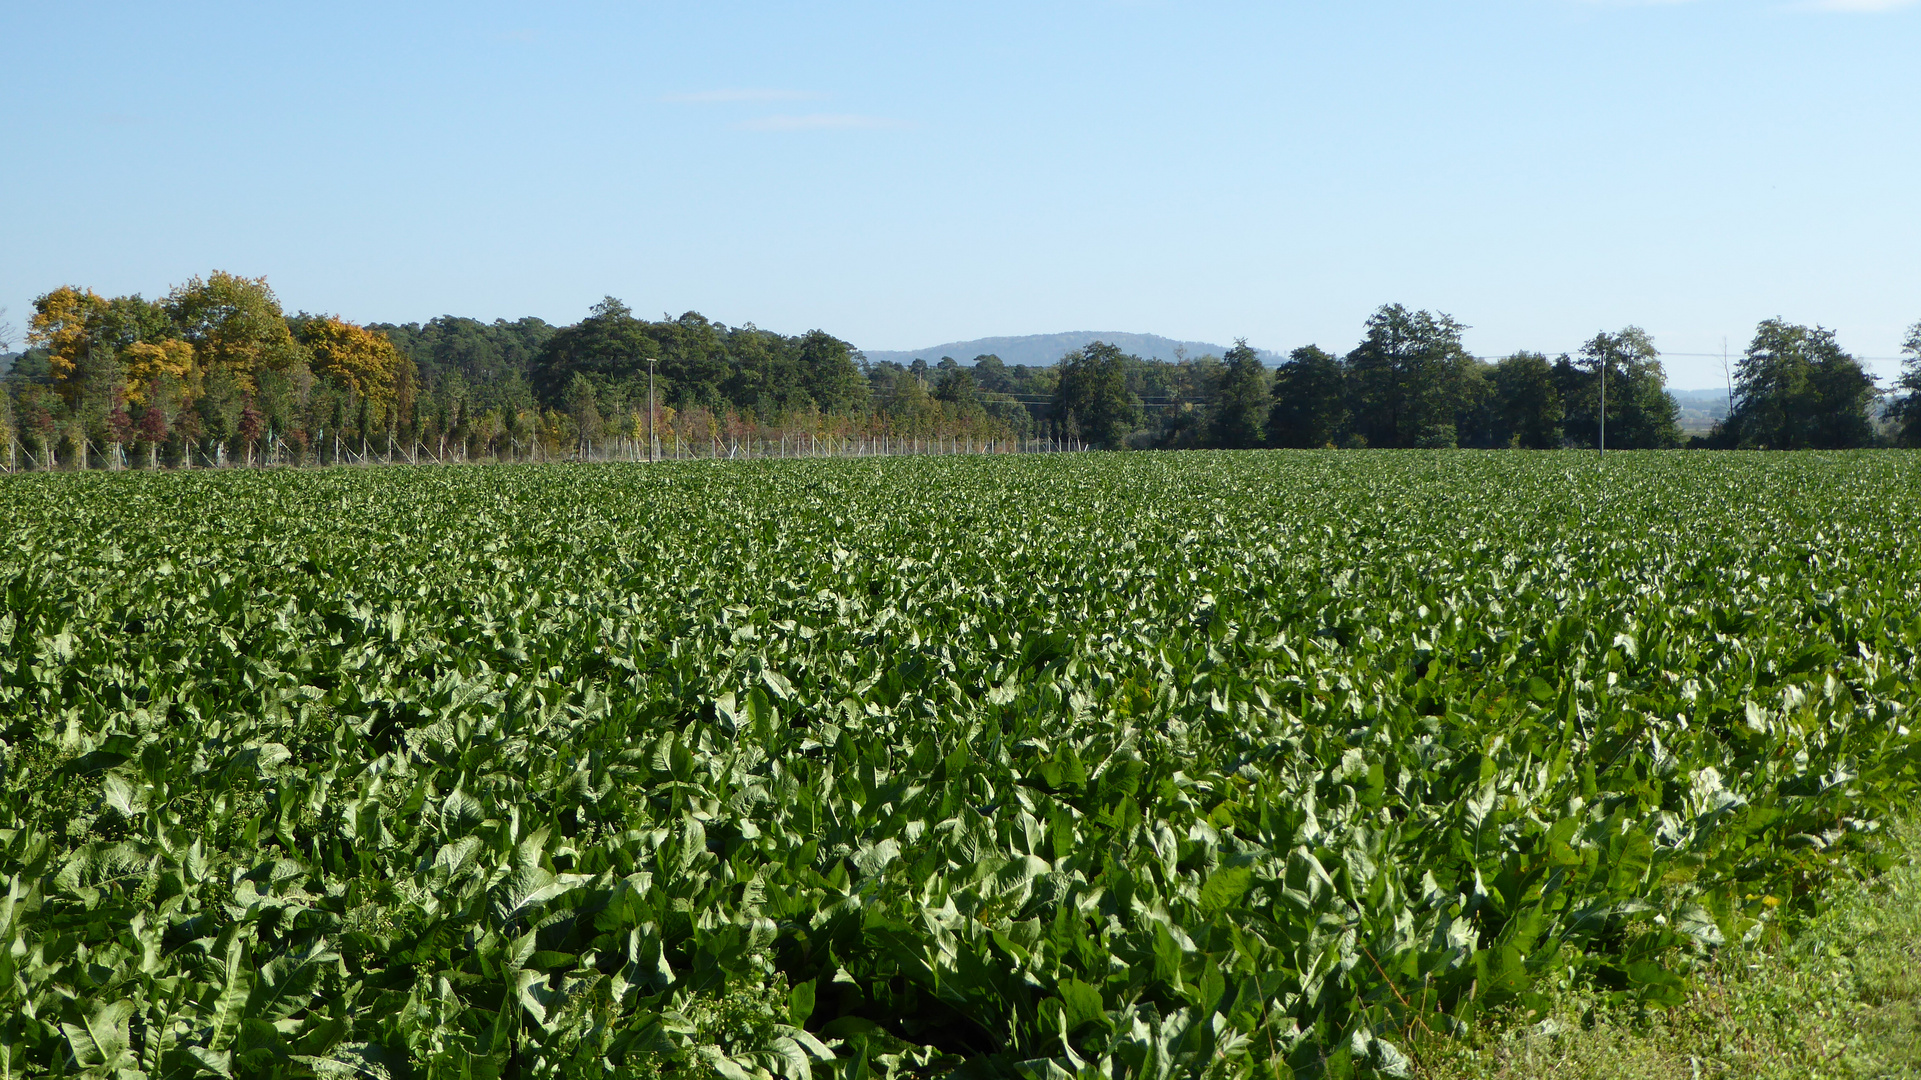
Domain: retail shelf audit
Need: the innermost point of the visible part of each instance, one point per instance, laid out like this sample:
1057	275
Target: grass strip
1840	999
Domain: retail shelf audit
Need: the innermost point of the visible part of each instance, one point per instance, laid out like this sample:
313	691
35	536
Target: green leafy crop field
1147	765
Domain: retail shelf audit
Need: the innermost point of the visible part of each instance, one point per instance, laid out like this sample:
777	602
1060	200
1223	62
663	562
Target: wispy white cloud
818	122
718	97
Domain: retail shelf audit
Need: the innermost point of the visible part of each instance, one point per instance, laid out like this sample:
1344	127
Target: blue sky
903	174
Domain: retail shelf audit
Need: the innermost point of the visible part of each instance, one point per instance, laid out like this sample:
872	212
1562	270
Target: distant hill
1700	409
1042	350
1715	401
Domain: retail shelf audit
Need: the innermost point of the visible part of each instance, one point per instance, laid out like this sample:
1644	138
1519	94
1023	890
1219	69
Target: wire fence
275	452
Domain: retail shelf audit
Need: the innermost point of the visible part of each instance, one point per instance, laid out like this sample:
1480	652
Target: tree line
215	371
1410	382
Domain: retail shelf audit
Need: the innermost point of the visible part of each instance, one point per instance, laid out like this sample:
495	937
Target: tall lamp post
653	441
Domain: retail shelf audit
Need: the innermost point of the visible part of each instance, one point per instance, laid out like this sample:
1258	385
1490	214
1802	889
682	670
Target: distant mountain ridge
1043	350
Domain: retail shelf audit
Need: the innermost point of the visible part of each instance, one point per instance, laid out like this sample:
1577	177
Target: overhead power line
1699	355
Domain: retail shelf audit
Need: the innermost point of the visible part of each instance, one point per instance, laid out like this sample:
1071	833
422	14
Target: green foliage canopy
701	363
1242	402
1640	414
1310	400
1093	396
1907	407
1407	379
1796	389
1528	403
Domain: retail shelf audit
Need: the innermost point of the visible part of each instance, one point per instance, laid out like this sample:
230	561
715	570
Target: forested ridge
216	371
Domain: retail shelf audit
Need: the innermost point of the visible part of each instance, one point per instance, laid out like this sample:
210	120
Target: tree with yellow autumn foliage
360	360
60	323
88	337
235	325
160	366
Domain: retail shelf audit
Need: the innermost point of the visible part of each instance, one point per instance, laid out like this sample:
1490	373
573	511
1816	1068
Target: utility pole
1604	402
653	442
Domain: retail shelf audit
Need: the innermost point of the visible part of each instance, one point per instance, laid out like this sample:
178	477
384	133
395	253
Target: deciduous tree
1407	378
1795	389
166	367
1239	419
906	401
92	343
1092	396
583	406
235	325
1528	406
1310	400
1907	408
1640	414
829	374
957	391
357	359
62	323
